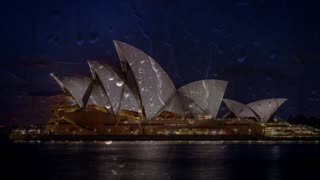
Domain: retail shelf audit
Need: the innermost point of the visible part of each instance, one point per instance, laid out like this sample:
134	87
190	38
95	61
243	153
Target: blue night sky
264	48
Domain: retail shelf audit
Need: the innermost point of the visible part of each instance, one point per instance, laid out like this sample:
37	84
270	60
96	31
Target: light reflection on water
162	160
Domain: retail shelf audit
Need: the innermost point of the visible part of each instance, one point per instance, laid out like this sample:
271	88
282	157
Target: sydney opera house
141	99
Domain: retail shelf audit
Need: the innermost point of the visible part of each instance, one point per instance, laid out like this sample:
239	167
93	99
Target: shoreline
158	138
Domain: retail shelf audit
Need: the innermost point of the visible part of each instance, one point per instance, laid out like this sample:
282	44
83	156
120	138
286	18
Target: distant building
261	110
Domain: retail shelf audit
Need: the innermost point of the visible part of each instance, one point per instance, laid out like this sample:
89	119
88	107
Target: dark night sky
264	48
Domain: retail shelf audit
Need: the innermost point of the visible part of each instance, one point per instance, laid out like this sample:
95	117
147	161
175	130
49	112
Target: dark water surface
160	160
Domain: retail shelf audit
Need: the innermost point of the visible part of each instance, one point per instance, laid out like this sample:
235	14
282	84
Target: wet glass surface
160	160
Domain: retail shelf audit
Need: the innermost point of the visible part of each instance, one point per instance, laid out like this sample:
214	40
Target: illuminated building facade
141	99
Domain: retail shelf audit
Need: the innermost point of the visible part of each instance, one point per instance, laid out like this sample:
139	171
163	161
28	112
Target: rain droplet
127	36
122	165
126	95
108	106
273	56
79	40
167	44
94	37
111	78
119	83
54	39
108	142
100	67
242	59
110	29
190	121
114	172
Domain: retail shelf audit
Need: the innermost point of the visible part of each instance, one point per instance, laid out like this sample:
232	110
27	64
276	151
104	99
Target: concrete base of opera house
93	124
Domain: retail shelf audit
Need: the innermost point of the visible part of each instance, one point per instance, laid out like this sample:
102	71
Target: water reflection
160	160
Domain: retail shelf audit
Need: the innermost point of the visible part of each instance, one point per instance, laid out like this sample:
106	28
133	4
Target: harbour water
160	160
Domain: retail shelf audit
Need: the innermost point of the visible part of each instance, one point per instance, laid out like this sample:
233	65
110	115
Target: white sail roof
265	108
155	86
239	109
98	96
75	85
181	104
112	84
208	94
128	101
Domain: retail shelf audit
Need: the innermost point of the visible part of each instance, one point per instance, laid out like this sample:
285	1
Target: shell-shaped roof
111	82
98	96
239	109
75	85
155	86
145	87
265	108
128	101
207	94
181	104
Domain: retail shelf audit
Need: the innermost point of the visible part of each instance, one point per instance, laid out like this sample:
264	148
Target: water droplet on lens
94	37
108	142
110	29
114	172
242	59
119	83
79	39
122	165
